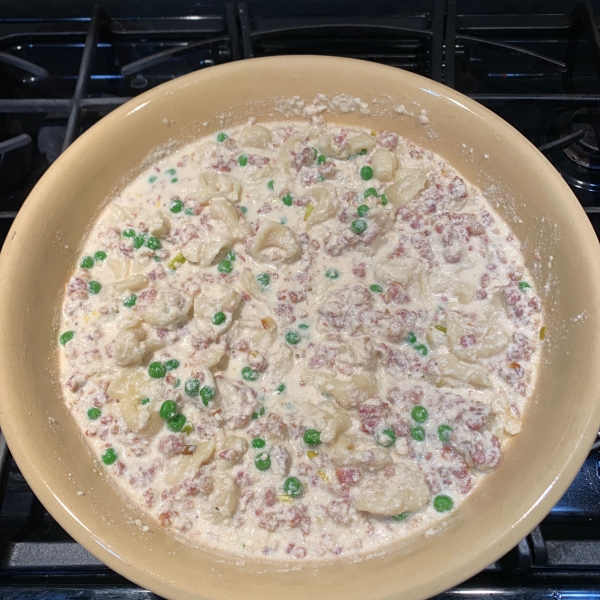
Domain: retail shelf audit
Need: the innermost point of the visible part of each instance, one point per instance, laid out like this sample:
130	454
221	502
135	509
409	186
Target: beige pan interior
39	255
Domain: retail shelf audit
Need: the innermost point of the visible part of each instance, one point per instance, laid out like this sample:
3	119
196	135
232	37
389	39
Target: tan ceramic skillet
40	253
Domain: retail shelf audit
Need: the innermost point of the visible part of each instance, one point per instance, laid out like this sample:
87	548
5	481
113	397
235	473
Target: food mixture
299	341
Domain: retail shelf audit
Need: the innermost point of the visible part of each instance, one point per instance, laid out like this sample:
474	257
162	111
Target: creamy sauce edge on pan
299	341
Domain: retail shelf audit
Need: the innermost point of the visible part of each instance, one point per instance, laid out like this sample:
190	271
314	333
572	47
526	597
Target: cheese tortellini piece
275	243
213	299
359	388
188	466
405	491
255	136
129	389
131	284
330	423
325	205
222	503
384	163
226	228
472	341
170	309
339	147
160	225
408	183
449	371
132	344
348	452
402	271
209	185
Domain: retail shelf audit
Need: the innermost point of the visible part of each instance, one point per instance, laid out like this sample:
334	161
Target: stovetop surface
63	67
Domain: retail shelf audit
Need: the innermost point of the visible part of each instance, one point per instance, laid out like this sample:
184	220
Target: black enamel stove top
535	64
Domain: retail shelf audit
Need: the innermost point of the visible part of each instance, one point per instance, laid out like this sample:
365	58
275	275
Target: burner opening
586	151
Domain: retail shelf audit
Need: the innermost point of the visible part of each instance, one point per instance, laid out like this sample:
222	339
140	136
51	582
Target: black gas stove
64	66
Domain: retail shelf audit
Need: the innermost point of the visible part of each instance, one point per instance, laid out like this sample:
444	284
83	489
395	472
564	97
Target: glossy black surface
65	65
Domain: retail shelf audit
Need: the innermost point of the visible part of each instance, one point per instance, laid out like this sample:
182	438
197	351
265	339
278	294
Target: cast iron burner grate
540	72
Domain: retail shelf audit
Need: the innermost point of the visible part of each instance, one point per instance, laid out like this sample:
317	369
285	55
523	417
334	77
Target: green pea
153	243
94	287
176	205
419	414
109	456
145	401
94	413
287	200
359	226
67	336
231	255
219	318
172	364
524	286
129	233
332	273
400	517
321	159
376	288
152	179
176	423
258	443
188	211
221	137
443	503
312	437
177	383
422	349
100	255
281	388
362	210
243	209
225	266
249	374
417	433
271	184
259	413
264	279
363	152
263	461
370	192
130	302
170	172
293	487
207	393
386	438
168	409
139	240
444	432
87	263
384	200
292	338
366	173
243	160
157	370
192	387
411	339
303	326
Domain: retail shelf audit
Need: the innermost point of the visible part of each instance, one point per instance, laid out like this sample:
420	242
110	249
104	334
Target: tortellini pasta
170	309
188	466
275	243
340	147
405	491
214	299
159	225
132	344
223	502
447	370
359	388
255	136
408	183
473	341
129	389
325	205
209	184
384	163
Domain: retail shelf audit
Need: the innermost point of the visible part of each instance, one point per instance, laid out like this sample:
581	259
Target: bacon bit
467	341
514	365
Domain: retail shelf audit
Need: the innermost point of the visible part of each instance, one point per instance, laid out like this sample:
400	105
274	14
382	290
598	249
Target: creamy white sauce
291	277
